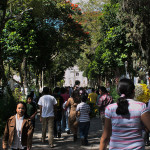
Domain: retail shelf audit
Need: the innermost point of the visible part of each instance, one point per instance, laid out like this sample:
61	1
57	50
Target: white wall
73	74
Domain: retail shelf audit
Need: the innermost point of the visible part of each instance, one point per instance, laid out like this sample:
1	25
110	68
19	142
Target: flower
76	5
72	5
142	93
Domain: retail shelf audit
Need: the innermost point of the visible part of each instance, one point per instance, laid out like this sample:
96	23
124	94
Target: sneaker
51	146
68	131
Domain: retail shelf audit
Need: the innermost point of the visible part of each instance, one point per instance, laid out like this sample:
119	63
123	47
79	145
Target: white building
73	75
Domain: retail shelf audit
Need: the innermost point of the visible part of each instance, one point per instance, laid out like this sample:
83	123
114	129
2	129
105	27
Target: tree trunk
24	70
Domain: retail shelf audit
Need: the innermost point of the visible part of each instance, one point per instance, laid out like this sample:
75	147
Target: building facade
74	75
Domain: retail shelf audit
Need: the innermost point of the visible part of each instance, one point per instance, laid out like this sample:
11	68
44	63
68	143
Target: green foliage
113	49
113	93
7	108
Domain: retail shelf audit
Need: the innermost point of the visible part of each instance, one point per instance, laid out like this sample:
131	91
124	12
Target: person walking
104	100
72	102
92	97
31	109
124	120
65	113
57	112
46	105
18	131
83	111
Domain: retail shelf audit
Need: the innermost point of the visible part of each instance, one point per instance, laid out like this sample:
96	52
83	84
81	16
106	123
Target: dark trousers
84	129
19	149
57	128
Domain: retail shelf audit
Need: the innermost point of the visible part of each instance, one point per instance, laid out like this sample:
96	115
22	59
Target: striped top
126	129
84	112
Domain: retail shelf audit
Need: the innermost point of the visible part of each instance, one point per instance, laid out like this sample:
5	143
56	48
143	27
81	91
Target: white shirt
17	136
47	102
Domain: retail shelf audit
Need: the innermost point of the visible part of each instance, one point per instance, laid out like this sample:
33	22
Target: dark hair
56	90
46	90
76	96
84	97
125	88
62	90
93	90
24	104
103	89
29	96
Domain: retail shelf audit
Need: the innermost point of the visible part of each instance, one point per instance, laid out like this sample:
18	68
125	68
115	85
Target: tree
136	20
45	35
113	49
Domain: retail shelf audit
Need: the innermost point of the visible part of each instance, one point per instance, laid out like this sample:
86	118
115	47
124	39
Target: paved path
66	141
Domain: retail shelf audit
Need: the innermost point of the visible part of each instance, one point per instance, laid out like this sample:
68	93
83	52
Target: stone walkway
66	141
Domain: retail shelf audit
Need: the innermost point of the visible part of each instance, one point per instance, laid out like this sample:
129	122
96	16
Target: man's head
45	90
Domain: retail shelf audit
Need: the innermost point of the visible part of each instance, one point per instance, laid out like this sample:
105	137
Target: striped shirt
126	129
84	112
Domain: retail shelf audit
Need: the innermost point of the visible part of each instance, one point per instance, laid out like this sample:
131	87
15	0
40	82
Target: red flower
79	9
76	5
72	5
73	8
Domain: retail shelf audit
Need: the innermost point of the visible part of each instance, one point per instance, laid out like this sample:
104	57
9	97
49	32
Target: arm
146	119
67	104
40	107
5	137
30	135
33	116
106	134
35	112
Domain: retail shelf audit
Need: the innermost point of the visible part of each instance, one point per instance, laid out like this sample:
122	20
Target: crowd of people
68	109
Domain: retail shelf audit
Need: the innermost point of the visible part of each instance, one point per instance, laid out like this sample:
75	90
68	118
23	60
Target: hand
32	117
40	119
29	147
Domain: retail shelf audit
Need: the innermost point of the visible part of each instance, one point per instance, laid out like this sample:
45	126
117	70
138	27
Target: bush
7	108
113	93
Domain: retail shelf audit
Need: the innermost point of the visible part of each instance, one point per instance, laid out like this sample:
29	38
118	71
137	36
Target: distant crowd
69	109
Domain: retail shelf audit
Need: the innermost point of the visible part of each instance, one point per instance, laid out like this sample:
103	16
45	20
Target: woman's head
21	108
76	96
125	90
102	90
126	87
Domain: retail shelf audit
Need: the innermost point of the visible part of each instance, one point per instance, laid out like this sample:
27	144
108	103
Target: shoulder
112	106
12	117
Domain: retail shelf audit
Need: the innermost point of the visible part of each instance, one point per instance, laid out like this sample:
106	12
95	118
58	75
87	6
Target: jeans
57	127
64	121
84	129
48	121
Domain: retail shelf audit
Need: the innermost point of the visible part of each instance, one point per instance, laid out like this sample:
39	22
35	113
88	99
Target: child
31	109
18	130
83	111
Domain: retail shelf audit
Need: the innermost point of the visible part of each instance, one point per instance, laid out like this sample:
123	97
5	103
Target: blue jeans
64	121
84	129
